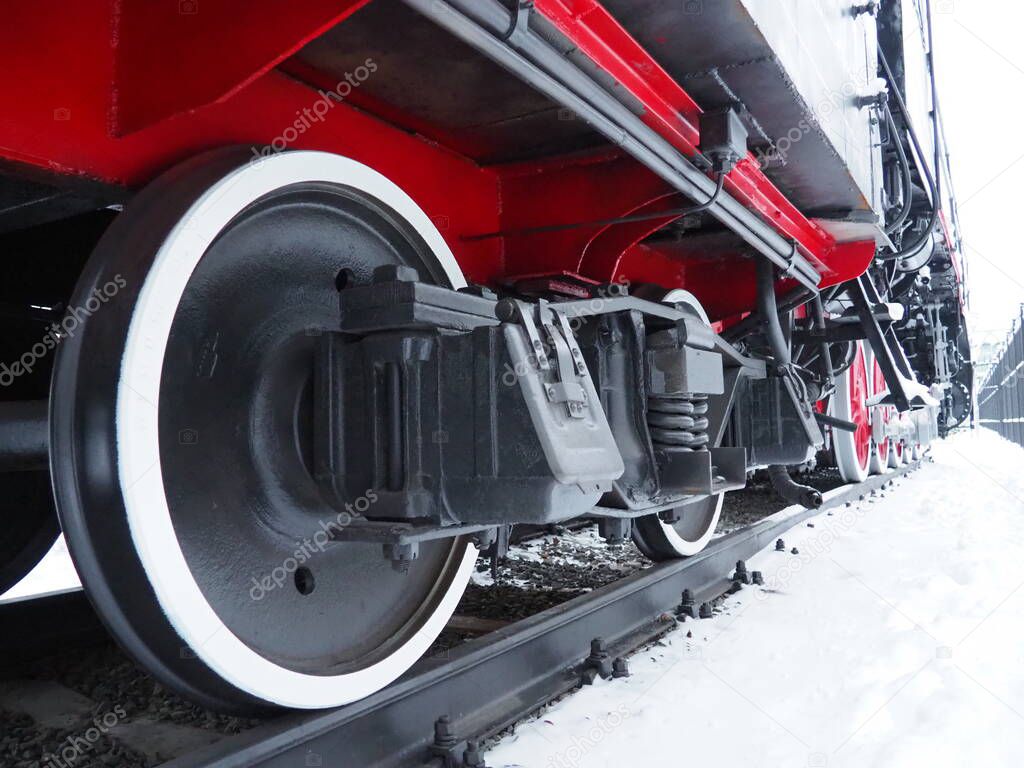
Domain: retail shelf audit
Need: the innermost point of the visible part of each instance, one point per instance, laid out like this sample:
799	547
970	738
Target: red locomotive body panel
118	92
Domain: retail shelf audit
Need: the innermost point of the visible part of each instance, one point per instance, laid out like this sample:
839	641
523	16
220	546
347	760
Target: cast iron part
766	422
774	419
453	418
667	383
598	663
614	530
741	574
460	412
620	667
779	342
687	605
792	492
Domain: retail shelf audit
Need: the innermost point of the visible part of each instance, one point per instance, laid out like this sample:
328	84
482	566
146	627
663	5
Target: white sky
980	64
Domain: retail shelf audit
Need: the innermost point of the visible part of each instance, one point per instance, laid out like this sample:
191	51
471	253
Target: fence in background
1001	396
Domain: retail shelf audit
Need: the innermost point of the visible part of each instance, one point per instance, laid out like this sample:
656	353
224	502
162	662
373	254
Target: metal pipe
908	179
836	423
768	310
936	133
818	312
24	435
922	167
794	493
486	26
752	322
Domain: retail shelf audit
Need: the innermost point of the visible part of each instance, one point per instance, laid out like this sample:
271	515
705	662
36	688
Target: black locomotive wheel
695	525
182	429
695	521
30	526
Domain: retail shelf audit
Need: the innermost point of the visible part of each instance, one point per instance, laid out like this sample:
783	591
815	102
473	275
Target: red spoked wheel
899	455
853	449
882	453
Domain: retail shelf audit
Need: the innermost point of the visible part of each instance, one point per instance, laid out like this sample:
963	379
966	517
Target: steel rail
487	684
482	686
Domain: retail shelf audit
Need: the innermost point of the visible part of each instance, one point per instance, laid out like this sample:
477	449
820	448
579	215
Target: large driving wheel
882	447
182	436
853	449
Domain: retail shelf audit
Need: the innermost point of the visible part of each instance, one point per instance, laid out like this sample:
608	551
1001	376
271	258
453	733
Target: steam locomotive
306	305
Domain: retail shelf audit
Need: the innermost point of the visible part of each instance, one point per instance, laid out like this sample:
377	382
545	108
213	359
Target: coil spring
678	423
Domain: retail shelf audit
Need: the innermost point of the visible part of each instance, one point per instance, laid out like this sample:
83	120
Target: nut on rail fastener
598	663
447	747
444	736
687	605
620	667
472	758
741	575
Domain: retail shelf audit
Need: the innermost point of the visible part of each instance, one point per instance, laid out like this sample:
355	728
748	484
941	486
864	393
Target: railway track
439	712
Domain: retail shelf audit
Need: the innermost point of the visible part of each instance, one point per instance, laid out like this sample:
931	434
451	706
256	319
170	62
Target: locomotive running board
487	684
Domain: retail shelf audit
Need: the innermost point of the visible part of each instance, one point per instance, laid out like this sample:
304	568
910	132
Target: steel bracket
887	349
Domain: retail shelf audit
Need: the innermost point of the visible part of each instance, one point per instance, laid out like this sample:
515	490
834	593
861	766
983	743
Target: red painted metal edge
670	111
177	55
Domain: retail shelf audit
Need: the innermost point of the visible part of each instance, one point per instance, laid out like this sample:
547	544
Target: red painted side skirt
118	92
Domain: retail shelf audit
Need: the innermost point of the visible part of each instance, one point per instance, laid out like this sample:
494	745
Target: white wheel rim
685	547
139	468
881	458
844	443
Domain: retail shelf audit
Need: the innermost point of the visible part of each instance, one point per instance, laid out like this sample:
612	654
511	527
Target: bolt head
395	273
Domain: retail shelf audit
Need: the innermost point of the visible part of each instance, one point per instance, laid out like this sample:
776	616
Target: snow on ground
891	639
